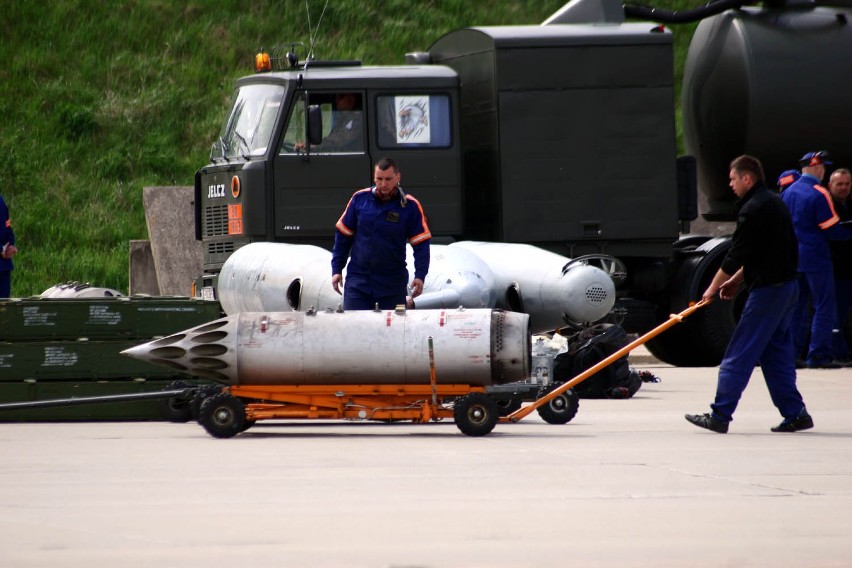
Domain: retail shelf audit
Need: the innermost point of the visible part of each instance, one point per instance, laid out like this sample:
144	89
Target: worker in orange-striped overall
372	233
816	223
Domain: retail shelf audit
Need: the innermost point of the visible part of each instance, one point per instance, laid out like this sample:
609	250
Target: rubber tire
201	395
223	415
507	406
476	414
561	409
175	409
702	338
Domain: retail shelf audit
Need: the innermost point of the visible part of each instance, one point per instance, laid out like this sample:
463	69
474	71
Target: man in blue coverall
815	222
7	250
372	232
763	254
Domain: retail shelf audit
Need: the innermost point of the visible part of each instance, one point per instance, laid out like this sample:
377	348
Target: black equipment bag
617	380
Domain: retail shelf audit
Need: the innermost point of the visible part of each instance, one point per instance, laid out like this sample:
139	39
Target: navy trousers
818	286
5	283
354	299
763	335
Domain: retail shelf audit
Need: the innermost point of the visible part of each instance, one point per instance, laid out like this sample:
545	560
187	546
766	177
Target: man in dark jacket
763	255
372	233
7	250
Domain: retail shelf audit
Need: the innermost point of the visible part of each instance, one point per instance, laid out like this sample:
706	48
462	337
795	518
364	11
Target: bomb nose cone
204	351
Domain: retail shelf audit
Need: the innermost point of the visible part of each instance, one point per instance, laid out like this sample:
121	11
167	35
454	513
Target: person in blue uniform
815	222
763	255
8	250
840	185
372	233
788	178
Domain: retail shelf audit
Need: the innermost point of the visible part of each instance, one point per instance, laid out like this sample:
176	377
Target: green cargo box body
75	360
71	348
41	391
142	317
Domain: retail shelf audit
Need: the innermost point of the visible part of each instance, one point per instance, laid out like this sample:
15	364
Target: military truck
560	135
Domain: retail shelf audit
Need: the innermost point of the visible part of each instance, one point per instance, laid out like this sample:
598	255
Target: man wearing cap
788	178
815	222
840	185
763	255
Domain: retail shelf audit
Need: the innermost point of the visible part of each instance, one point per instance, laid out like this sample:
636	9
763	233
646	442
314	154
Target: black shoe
827	364
708	422
844	362
804	422
801	363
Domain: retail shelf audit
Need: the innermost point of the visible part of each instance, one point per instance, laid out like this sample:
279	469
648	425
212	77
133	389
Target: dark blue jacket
374	234
815	222
7	235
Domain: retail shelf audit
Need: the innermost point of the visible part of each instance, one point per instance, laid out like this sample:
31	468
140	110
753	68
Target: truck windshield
248	129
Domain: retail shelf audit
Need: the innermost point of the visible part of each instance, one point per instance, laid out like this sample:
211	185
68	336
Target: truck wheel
507	406
701	339
476	414
176	409
562	408
223	415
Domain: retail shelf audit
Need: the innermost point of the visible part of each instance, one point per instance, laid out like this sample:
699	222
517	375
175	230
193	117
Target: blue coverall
815	222
372	233
7	237
764	245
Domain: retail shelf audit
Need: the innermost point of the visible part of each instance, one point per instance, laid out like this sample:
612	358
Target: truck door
313	184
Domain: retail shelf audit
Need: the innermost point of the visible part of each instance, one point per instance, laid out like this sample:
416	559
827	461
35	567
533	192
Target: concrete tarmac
627	483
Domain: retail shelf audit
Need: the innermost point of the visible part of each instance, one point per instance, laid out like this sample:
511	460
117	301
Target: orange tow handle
673	319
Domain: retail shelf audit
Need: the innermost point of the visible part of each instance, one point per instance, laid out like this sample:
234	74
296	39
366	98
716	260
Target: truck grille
216	220
223	247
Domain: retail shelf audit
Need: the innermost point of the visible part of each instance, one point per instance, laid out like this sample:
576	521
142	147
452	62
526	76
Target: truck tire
701	339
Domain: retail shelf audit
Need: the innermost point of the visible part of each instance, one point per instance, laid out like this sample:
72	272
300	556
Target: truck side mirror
314	124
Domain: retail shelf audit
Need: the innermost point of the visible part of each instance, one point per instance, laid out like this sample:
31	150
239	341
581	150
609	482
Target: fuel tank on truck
549	287
772	83
276	277
473	347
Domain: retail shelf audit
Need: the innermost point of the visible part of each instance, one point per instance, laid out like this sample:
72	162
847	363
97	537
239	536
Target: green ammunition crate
74	360
36	391
145	317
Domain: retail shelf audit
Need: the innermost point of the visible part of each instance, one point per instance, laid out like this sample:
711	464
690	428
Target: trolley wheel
202	395
507	406
223	415
176	409
562	408
476	414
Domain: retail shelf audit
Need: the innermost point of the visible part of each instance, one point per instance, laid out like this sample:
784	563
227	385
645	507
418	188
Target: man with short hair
840	184
763	255
815	222
372	233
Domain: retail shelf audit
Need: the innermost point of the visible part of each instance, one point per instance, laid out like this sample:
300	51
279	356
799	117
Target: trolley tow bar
186	393
673	320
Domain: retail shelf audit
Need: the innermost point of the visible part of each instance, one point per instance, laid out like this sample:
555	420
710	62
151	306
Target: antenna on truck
312	32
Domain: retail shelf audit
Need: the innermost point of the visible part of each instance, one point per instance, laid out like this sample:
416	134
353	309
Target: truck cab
298	143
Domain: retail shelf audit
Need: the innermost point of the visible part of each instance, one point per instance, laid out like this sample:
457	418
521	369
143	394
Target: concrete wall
175	256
